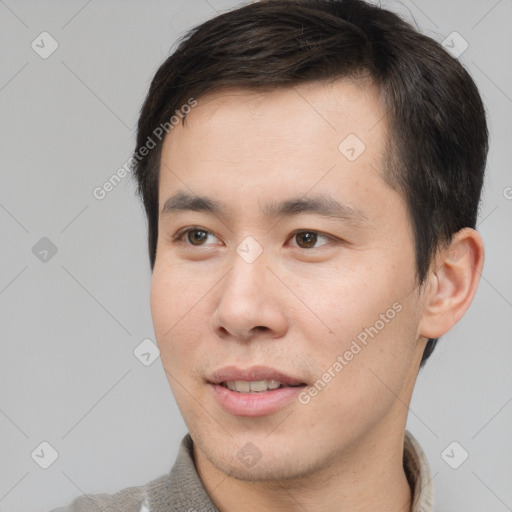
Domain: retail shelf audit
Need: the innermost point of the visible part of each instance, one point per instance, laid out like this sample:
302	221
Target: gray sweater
182	491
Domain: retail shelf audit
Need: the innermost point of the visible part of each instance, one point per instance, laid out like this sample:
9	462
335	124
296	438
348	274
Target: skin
297	308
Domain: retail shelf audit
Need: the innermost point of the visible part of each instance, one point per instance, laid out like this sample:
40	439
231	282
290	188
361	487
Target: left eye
308	239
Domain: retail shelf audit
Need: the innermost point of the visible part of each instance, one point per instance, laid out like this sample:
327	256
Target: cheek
373	318
174	309
359	383
349	304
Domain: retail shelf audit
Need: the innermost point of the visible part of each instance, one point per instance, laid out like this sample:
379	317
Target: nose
250	303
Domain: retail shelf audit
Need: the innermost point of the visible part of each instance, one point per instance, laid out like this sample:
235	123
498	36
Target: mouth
254	391
257	386
254	379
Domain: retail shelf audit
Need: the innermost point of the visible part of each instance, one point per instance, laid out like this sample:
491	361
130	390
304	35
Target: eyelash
181	234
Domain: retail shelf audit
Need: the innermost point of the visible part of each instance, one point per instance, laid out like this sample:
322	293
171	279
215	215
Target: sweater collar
188	492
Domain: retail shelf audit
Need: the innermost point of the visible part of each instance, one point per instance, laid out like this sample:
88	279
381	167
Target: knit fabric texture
182	490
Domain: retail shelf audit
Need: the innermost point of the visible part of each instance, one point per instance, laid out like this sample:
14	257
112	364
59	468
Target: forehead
288	136
332	110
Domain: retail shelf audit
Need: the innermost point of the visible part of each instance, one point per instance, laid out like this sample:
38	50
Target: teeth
273	384
242	385
257	386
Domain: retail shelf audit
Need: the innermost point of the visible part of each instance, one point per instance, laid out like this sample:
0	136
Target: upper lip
253	373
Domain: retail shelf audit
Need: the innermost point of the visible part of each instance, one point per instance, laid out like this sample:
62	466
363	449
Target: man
311	172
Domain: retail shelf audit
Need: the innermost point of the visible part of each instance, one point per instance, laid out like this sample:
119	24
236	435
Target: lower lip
254	404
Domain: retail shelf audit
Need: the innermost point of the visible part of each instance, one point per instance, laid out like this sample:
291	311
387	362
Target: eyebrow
322	205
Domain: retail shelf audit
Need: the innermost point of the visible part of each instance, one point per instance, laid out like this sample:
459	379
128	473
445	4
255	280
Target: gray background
69	326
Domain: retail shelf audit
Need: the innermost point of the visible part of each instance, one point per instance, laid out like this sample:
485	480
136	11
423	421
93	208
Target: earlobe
453	283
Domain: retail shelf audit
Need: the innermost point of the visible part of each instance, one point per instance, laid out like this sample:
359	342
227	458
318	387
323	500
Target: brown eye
306	239
196	236
310	239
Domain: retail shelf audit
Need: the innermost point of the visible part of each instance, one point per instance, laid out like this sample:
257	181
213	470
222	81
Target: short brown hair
438	139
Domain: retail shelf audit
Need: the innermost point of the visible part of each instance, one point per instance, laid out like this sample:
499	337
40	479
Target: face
296	271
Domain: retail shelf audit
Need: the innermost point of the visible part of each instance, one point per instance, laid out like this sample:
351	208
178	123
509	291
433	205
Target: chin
277	466
266	472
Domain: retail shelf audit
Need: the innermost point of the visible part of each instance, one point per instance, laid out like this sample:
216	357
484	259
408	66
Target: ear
452	283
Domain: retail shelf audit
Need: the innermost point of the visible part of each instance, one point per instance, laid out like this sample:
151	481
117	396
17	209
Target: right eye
194	236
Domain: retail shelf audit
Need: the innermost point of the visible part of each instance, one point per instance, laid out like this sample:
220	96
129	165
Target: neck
370	478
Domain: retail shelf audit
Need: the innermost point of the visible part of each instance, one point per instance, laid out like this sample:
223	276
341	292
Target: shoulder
131	499
181	489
